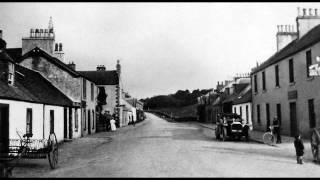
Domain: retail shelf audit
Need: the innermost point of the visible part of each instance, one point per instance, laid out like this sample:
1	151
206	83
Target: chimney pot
298	11
316	12
0	34
304	11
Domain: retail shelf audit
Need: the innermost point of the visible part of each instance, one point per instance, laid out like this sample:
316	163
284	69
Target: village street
158	148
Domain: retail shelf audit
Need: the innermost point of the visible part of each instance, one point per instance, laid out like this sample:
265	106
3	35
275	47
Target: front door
293	119
65	120
4	128
70	123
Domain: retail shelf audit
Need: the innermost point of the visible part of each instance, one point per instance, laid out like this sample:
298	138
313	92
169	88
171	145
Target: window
84	88
29	121
312	118
291	73
268	115
10	73
93	125
255	83
276	68
241	111
76	123
84	120
51	121
92	92
279	112
234	110
258	114
263	80
308	61
247	113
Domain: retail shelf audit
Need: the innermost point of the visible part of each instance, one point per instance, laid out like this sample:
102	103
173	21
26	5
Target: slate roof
238	89
31	86
39	52
101	77
247	97
309	39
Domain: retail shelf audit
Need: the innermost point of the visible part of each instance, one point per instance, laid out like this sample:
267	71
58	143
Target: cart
28	148
231	126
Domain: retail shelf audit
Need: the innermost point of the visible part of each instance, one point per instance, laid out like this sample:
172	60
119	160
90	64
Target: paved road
158	148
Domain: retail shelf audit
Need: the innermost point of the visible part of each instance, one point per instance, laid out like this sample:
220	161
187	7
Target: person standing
108	118
113	124
277	128
298	144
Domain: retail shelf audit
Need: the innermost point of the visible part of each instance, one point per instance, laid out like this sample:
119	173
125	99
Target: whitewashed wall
58	121
18	118
243	114
40	125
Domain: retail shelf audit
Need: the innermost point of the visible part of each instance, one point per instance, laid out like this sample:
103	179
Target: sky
162	47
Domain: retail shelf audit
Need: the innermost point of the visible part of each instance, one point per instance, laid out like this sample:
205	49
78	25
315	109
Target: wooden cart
29	149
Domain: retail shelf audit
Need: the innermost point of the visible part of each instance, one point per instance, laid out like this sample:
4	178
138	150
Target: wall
307	88
46	44
40	125
243	114
61	79
58	122
111	98
90	106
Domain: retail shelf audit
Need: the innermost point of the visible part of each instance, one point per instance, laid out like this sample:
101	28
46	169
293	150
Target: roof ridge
293	47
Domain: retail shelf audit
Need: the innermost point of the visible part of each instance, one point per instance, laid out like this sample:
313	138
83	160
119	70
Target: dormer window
10	73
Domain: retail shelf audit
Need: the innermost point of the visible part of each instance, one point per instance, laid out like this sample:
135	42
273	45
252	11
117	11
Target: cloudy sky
162	47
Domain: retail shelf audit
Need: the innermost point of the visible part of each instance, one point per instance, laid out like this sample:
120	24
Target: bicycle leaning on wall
269	137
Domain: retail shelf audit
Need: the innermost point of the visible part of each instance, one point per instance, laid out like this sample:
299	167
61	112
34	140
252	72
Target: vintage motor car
231	126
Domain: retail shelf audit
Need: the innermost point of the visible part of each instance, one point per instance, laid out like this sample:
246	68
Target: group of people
298	144
110	121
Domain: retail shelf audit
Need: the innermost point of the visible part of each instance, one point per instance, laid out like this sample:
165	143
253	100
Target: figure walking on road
298	144
277	128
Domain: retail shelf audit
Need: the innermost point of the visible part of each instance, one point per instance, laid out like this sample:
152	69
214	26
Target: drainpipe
43	112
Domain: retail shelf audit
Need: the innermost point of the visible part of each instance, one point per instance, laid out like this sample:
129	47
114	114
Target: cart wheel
53	150
315	145
224	134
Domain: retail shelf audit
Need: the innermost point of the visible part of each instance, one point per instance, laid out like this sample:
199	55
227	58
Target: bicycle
269	137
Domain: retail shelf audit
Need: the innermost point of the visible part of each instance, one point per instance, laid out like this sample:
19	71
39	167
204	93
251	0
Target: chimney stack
101	68
308	20
72	65
285	35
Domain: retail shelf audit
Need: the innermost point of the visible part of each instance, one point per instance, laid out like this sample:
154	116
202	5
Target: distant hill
179	99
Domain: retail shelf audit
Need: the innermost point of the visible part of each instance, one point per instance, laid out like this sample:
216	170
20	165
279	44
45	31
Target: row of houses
285	85
40	93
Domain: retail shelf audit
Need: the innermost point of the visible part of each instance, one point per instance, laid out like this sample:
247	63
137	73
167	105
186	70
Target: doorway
65	125
4	128
293	119
89	122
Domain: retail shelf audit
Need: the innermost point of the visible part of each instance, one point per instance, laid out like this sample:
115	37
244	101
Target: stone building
109	87
221	99
29	103
282	85
42	54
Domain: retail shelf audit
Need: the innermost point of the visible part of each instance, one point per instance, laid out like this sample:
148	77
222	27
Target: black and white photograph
159	89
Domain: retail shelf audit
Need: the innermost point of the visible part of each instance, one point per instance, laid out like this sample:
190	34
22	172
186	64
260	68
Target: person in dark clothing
277	128
108	117
298	144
